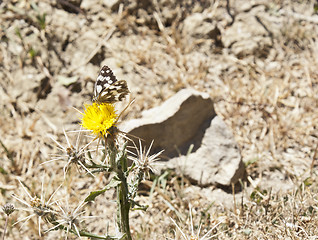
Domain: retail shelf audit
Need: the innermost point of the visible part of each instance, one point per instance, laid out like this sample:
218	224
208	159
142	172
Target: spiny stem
118	162
123	204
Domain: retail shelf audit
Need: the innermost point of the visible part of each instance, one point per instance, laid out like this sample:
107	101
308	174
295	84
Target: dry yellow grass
269	99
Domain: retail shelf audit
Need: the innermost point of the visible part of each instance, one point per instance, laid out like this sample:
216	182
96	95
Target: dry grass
269	99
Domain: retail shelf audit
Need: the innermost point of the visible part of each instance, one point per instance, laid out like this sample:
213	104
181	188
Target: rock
217	161
188	120
175	124
248	35
71	6
198	26
112	4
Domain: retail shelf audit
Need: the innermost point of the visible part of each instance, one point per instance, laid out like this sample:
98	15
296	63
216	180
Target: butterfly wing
114	93
107	89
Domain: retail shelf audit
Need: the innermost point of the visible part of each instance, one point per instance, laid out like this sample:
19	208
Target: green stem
118	163
123	205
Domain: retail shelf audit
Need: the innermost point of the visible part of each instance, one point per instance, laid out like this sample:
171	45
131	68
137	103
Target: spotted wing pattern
107	89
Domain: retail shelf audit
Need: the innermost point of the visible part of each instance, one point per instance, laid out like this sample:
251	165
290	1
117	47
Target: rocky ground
256	59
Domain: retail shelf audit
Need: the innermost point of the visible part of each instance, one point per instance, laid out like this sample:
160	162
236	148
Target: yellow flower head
99	118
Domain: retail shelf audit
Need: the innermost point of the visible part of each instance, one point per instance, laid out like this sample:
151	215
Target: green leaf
316	8
32	52
18	33
93	195
308	181
3	171
41	20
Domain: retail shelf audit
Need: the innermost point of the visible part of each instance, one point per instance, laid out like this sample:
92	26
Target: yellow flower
99	118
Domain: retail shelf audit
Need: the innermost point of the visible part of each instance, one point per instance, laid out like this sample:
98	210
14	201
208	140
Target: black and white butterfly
107	89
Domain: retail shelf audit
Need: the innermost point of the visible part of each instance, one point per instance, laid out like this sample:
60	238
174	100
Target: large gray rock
217	161
176	124
188	120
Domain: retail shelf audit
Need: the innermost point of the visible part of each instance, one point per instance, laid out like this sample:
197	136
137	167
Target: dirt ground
256	59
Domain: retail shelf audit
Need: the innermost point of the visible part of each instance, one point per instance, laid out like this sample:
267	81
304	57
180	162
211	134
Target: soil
256	59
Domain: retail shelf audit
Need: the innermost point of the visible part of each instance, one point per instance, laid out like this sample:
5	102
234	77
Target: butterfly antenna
128	105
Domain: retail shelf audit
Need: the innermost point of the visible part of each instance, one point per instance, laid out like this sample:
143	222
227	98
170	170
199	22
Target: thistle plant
38	207
194	236
100	119
8	208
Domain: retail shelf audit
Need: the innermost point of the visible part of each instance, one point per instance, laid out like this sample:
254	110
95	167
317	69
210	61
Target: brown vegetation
258	61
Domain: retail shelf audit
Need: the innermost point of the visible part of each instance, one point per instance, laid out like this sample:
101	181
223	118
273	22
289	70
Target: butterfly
107	89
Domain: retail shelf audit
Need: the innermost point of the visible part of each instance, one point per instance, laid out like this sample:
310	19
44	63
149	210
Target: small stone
198	26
